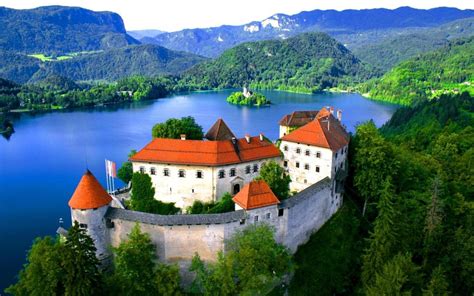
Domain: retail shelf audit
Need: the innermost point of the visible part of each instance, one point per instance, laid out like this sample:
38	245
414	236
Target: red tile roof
325	131
208	153
256	194
298	118
219	131
89	194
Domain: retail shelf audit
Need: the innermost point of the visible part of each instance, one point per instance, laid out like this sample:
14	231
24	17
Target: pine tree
42	274
395	277
81	266
438	286
383	239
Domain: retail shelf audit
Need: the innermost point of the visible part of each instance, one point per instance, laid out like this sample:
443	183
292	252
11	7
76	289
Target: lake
43	161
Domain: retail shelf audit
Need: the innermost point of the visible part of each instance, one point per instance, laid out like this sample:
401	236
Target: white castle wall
178	237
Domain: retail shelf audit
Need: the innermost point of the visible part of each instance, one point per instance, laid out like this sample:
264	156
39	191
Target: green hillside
446	70
393	50
306	63
60	29
109	65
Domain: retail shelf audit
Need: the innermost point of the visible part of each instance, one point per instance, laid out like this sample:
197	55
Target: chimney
247	138
331	110
261	137
183	137
339	115
234	140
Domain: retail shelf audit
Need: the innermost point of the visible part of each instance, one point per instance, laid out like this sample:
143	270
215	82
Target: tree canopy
253	265
276	177
173	128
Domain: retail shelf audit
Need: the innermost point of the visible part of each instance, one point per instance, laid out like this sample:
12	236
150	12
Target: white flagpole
107	175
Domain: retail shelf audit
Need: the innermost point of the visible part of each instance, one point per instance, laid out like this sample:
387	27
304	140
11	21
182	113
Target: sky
174	15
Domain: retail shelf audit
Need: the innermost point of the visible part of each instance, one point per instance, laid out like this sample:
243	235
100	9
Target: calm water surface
43	161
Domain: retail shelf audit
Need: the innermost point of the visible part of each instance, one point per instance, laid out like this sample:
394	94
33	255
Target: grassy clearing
44	58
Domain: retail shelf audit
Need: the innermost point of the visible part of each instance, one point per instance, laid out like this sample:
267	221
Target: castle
321	143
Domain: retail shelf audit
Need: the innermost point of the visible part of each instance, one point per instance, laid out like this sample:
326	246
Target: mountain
59	30
139	34
447	70
110	65
308	62
392	51
351	27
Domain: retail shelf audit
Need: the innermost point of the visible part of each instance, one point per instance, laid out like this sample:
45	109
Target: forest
406	227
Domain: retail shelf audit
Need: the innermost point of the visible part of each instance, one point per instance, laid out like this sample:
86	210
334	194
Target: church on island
313	152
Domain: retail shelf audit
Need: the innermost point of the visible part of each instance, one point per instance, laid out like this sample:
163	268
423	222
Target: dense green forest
416	236
60	29
449	69
57	92
306	63
109	65
392	50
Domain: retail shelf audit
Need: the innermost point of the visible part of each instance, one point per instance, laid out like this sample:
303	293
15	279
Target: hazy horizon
144	15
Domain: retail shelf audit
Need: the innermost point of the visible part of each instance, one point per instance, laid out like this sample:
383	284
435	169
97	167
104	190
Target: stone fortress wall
179	237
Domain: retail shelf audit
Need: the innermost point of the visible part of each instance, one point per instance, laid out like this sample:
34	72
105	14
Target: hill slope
58	30
449	69
351	27
110	65
392	51
308	62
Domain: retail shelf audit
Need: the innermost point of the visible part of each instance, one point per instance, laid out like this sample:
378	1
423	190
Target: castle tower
88	204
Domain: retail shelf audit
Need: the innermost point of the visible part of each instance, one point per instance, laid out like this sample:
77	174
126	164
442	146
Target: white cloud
179	14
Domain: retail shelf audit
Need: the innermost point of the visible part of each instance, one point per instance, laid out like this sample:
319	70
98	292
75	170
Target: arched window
221	174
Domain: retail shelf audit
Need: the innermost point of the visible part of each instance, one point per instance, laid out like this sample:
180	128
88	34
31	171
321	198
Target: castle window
285	163
335	155
83	226
247	169
166	172
221	174
297	164
317	169
268	216
318	154
192	190
306	166
181	174
280	212
152	171
341	165
142	170
242	221
255	219
298	150
232	172
306	152
199	174
255	168
285	148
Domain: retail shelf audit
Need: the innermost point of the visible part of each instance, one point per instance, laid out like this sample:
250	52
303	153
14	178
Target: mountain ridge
212	41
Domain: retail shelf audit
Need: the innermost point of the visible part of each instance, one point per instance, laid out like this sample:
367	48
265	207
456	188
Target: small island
6	127
248	98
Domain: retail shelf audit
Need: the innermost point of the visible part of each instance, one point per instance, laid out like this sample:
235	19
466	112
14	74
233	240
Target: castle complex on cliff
313	150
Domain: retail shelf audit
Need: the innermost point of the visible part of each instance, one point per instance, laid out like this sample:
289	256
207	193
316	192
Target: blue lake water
43	161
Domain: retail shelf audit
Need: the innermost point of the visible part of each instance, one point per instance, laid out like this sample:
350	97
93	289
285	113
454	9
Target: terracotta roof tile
298	118
325	131
256	194
219	131
89	194
209	153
